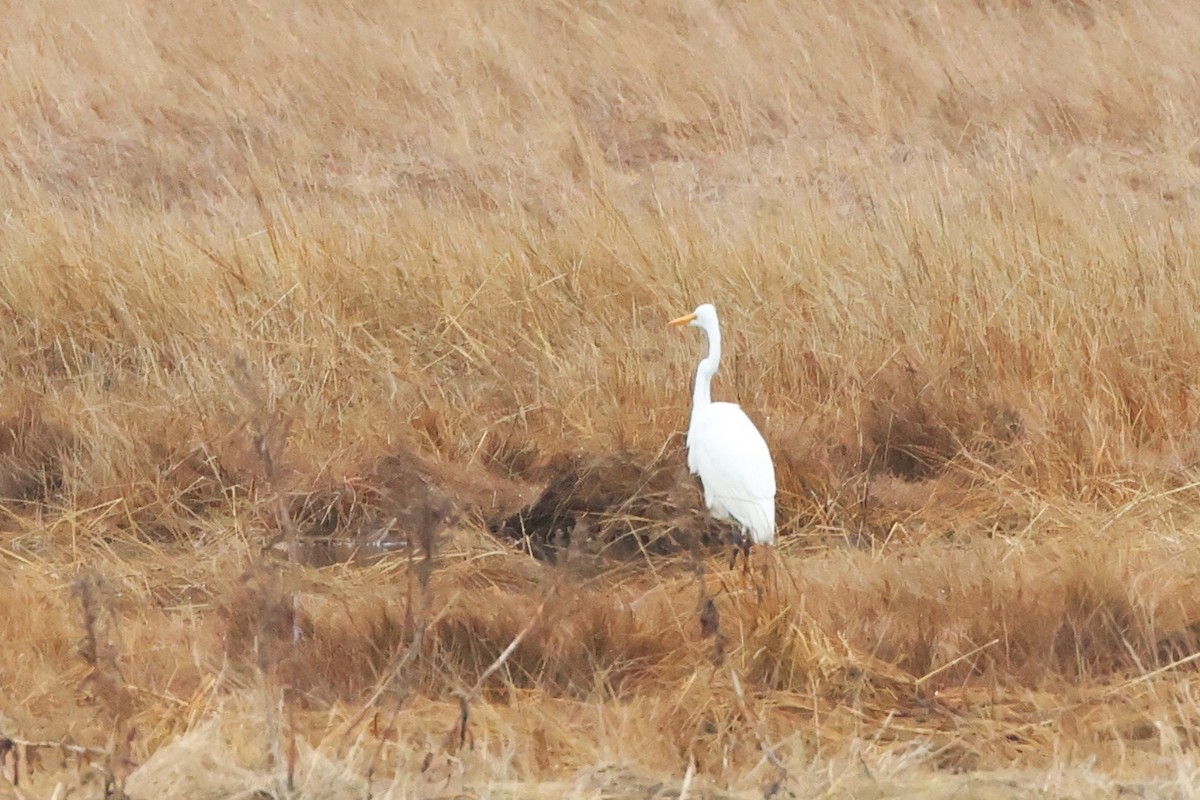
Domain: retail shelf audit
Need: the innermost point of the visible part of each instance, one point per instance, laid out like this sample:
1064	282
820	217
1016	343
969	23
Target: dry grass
339	433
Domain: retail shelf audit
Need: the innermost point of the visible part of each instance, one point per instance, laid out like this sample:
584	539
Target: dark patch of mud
618	506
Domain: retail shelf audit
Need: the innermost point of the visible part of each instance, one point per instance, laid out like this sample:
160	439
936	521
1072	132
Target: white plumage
734	465
726	450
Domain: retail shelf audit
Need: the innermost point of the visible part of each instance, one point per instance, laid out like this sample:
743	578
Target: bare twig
44	744
399	664
958	660
755	723
504	654
458	734
688	776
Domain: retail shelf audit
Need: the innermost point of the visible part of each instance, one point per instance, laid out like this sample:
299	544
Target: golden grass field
280	280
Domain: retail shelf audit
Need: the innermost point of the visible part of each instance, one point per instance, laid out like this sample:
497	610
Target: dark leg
741	544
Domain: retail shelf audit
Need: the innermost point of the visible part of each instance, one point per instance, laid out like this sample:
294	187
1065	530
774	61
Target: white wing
734	464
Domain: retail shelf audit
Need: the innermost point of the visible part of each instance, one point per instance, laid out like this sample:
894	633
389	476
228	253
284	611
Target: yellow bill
684	320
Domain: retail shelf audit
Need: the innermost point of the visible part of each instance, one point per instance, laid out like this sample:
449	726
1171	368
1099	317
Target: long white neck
702	393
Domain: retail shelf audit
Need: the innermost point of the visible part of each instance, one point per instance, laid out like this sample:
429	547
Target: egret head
705	317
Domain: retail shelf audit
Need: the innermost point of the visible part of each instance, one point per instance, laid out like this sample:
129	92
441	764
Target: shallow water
361	552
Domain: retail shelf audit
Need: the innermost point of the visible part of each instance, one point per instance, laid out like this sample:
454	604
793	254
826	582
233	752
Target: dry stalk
274	601
422	570
102	649
391	679
401	662
949	664
686	785
756	726
7	746
710	618
456	738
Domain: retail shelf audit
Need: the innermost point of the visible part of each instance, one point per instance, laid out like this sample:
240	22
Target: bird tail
761	525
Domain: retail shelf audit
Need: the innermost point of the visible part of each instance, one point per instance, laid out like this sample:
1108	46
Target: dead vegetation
340	437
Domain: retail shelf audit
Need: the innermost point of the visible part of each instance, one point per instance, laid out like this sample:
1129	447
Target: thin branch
508	651
77	749
960	659
755	723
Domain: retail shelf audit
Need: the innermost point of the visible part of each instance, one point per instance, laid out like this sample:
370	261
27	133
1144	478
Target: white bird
727	451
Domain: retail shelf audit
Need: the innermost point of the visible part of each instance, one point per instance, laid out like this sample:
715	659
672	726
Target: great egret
727	451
